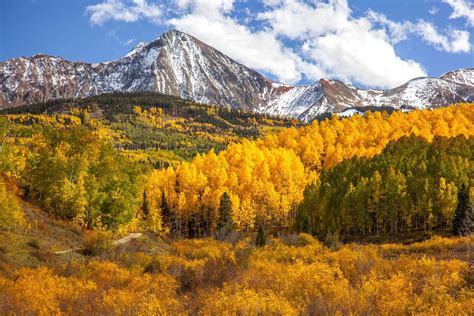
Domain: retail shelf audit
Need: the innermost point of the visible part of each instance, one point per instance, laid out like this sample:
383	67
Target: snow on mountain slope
175	64
424	93
181	65
462	76
334	96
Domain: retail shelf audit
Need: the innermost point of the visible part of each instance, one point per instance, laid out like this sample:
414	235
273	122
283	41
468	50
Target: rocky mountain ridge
181	65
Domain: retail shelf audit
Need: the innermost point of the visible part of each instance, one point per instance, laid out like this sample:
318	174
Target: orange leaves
246	302
219	278
101	288
44	292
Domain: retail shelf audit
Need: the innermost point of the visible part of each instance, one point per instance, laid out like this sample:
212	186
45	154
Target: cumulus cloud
341	46
462	9
455	41
295	40
123	11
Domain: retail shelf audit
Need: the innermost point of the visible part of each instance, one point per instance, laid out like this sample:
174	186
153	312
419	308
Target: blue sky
369	43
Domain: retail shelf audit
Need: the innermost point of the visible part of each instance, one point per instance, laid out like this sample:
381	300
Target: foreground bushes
209	277
10	214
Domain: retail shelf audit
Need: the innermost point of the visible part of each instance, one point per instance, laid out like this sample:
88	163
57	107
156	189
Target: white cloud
326	39
122	11
128	42
462	9
455	41
261	50
433	11
397	31
341	46
297	20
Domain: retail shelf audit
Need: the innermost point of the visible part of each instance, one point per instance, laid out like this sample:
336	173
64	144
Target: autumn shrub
434	244
142	295
357	261
290	254
208	277
101	288
202	249
307	240
197	263
10	213
44	292
304	286
379	295
96	242
245	302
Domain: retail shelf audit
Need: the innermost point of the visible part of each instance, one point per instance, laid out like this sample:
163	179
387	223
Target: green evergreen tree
145	205
225	209
463	215
303	221
165	211
261	236
225	223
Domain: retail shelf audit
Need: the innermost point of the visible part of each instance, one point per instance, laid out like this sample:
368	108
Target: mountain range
181	65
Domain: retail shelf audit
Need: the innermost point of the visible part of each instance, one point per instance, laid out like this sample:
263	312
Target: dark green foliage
304	212
145	205
225	224
165	211
463	216
305	224
225	209
261	239
410	186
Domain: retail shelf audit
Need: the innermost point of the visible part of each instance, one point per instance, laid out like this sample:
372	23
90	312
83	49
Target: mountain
334	96
175	64
181	65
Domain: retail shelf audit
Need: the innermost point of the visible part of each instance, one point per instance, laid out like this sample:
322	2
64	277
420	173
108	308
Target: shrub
306	240
96	243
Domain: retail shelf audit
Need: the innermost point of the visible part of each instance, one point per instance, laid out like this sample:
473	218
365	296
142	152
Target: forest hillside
335	217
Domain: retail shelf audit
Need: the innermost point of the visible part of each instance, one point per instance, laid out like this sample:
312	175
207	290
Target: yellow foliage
10	213
265	178
208	277
245	302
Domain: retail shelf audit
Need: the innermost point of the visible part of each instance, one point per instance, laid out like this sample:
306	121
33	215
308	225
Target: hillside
165	130
290	276
296	221
72	164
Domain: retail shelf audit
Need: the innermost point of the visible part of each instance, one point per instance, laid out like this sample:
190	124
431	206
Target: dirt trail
117	242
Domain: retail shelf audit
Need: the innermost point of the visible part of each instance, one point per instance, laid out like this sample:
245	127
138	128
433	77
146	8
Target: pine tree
303	221
165	210
463	215
225	224
145	205
261	236
225	209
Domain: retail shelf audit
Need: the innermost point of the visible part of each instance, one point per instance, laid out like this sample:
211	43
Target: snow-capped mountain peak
462	76
178	64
